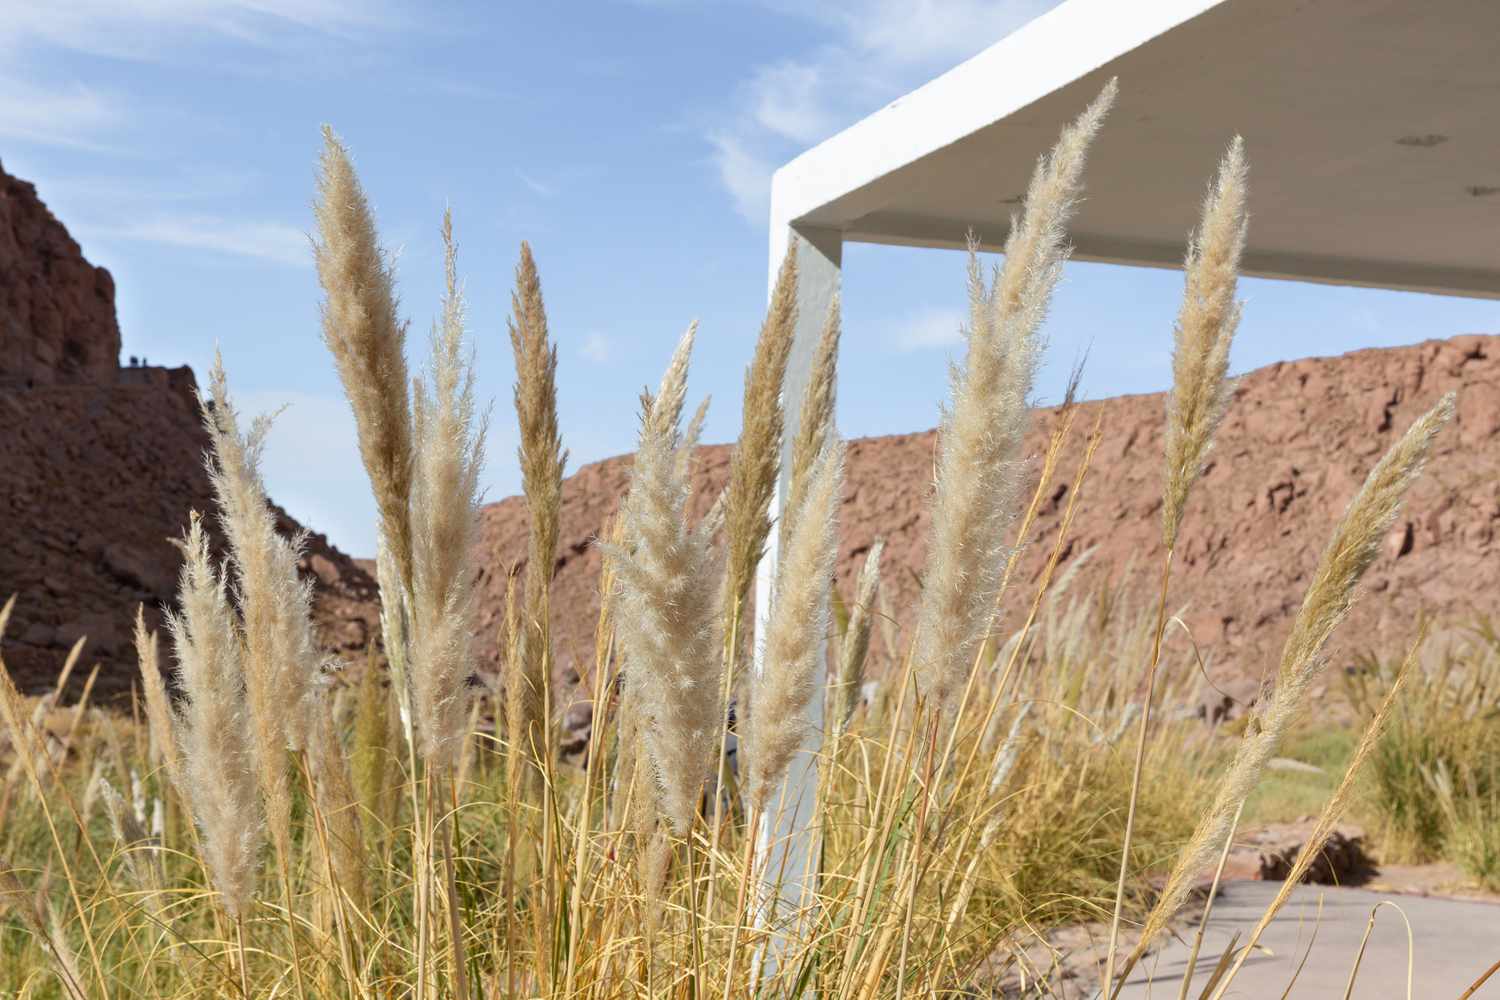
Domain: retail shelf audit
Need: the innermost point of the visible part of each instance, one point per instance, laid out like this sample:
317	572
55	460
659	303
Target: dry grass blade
34	910
979	443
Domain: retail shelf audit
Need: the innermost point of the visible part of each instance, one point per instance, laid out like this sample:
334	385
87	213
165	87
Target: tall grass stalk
542	461
1324	825
1203	334
1350	552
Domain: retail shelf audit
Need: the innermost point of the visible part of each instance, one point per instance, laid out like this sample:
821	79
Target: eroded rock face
1296	445
99	467
98	480
57	311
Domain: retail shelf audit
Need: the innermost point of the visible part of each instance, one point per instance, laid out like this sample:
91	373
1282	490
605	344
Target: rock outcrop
1296	445
57	311
99	467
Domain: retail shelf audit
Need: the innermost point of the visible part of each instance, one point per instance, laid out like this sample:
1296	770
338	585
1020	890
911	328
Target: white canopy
1372	128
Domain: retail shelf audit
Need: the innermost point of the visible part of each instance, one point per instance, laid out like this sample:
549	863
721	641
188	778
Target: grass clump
1434	784
362	838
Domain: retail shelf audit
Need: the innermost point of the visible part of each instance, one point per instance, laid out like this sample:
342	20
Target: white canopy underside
1372	128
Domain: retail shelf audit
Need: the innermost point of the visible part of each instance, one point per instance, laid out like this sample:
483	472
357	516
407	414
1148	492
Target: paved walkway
1453	942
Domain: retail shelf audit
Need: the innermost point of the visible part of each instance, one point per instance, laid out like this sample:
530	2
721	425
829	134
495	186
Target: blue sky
631	143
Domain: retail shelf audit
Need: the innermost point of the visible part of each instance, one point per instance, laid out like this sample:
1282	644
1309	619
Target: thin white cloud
271	241
877	50
921	32
150	29
71	116
596	348
745	175
929	328
787	99
542	188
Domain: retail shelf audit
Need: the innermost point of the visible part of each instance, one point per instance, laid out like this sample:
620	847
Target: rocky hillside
99	466
1296	445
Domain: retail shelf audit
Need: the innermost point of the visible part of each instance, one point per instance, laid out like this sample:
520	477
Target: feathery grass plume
690	438
542	461
1353	547
815	418
668	608
213	727
980	440
367	340
445	509
777	724
163	749
280	657
756	463
856	648
1205	329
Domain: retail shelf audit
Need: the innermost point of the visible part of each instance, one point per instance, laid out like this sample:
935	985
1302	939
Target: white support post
788	842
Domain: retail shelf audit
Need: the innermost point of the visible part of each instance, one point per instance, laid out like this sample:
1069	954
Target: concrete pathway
1453	942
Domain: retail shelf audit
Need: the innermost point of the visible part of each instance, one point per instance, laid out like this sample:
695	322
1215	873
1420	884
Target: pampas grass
815	420
1334	587
367	340
163	749
979	443
756	462
218	751
280	657
777	727
855	649
668	609
542	462
1205	329
1203	334
944	846
445	501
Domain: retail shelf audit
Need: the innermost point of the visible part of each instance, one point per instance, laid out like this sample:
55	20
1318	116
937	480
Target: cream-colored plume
777	726
669	627
213	728
445	510
979	443
1205	329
